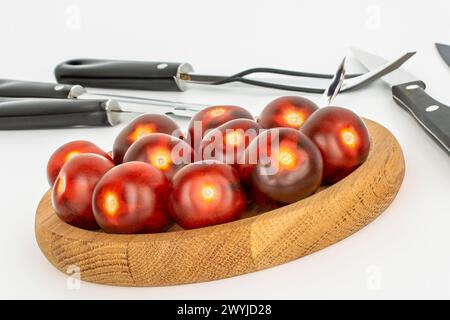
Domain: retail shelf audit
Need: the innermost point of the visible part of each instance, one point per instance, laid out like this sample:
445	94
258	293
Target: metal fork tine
335	85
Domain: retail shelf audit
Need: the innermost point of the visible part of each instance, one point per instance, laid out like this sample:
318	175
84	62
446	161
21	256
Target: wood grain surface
256	242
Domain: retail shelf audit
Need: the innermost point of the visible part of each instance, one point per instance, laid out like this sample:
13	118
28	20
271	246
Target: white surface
403	254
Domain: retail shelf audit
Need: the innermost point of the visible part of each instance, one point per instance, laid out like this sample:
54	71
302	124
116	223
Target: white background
403	254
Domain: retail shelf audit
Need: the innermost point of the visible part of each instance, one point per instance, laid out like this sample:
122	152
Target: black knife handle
433	115
116	74
32	89
52	113
55	121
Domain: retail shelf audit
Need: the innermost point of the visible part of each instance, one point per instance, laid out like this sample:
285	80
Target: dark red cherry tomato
289	112
206	193
342	138
281	166
212	117
227	142
140	127
132	198
73	189
166	153
67	152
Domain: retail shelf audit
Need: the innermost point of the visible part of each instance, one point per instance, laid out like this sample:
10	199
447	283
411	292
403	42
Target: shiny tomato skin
66	152
132	198
140	127
212	117
73	189
342	139
227	142
288	111
281	166
206	193
166	153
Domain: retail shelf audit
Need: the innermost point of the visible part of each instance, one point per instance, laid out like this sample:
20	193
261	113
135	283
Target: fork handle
120	74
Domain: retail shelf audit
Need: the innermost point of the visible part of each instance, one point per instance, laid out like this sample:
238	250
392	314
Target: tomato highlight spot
72	154
287	159
217	112
160	159
234	138
294	119
111	203
61	185
208	192
142	131
349	137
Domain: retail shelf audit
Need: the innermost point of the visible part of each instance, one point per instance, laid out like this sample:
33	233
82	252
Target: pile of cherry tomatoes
227	161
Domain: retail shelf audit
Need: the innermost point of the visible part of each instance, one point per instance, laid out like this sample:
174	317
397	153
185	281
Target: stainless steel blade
124	112
130	106
150	101
79	92
444	51
373	62
180	112
201	78
120	116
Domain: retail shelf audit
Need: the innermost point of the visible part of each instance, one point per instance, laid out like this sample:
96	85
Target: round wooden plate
253	243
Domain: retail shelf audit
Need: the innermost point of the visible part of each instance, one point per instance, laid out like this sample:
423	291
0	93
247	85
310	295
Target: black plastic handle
52	113
116	74
32	89
431	114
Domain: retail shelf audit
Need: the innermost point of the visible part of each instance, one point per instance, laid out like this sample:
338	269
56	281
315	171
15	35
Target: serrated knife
409	92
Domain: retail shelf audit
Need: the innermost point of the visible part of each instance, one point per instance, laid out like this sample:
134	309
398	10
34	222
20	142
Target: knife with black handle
39	113
410	94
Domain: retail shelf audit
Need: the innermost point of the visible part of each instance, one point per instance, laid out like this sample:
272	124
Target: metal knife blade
371	62
135	104
444	51
125	111
380	70
141	101
409	93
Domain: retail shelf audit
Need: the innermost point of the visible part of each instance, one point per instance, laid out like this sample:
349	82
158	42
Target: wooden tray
250	244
